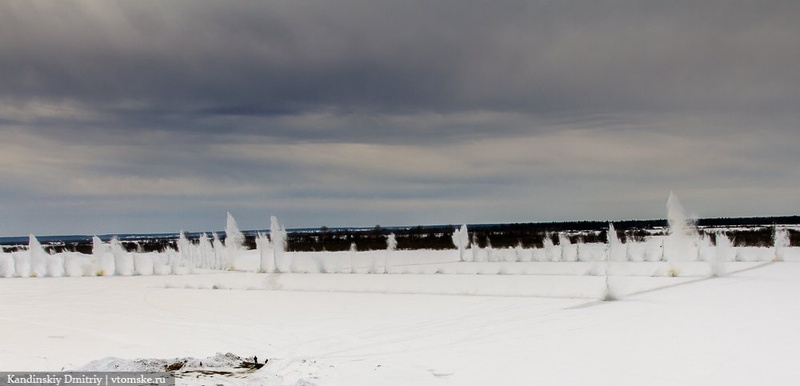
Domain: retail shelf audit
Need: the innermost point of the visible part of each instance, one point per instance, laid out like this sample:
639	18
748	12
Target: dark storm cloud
245	59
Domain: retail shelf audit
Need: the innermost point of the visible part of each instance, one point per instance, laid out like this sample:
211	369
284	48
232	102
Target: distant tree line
532	235
757	231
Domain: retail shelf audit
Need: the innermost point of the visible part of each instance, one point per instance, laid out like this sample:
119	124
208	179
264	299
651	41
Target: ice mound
224	369
218	361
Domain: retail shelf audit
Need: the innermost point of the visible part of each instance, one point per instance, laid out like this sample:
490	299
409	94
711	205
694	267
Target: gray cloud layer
151	115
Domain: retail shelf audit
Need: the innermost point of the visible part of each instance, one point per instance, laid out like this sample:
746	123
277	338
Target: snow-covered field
421	328
672	310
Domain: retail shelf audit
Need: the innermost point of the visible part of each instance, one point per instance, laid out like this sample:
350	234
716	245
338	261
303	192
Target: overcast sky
159	116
